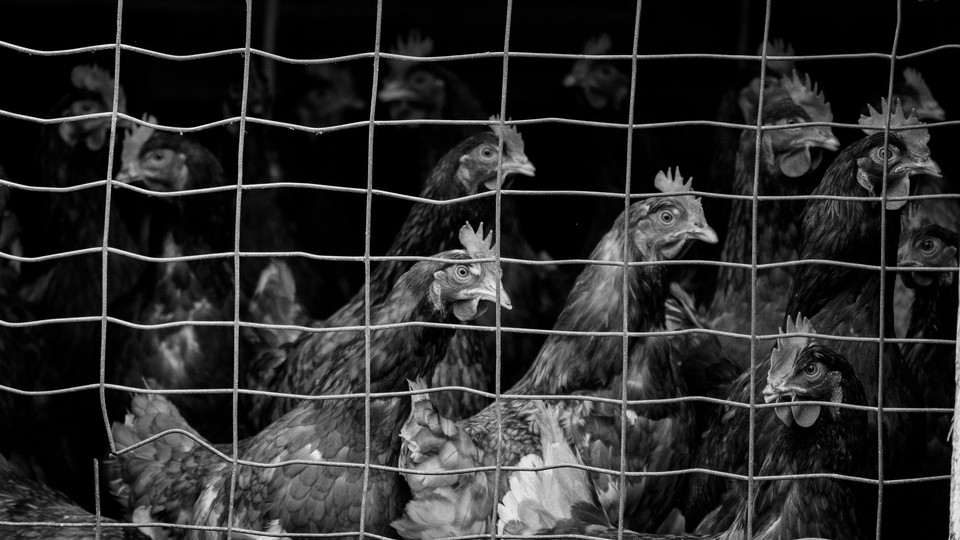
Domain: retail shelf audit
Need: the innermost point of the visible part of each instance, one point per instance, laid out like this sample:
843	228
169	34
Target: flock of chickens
337	426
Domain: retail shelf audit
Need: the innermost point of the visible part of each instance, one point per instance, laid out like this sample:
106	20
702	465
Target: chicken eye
667	217
889	153
928	246
488	152
462	272
812	370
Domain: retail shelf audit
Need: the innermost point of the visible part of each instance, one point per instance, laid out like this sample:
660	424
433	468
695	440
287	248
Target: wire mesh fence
633	190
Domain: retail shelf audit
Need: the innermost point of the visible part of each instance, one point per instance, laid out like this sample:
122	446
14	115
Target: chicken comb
598	45
672	181
915	139
511	137
805	93
415	45
96	79
778	47
474	242
788	347
134	139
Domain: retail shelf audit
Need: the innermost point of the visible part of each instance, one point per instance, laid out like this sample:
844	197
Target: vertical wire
883	273
508	22
236	267
368	213
624	283
755	204
97	531
105	253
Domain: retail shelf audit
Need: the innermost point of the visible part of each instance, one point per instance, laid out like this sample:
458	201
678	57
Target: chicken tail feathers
540	501
160	480
443	505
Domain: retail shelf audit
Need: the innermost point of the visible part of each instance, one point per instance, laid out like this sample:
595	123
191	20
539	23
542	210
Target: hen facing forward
176	481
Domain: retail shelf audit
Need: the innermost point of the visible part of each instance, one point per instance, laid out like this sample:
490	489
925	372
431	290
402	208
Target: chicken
602	85
174	480
600	91
467	169
933	315
660	436
60	441
840	301
180	356
915	95
26	501
427	91
788	160
810	439
737	106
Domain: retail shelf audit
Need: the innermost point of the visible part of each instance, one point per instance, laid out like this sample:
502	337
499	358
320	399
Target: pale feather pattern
537	500
432	443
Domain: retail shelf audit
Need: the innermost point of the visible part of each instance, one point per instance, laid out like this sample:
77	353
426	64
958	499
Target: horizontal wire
466	198
507	468
438	389
466	56
442	122
468	328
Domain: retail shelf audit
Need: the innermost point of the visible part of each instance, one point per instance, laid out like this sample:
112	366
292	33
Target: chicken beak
820	137
488	290
395	91
704	233
917	166
521	165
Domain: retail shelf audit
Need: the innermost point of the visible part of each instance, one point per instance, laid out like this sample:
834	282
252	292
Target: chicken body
176	481
660	436
181	356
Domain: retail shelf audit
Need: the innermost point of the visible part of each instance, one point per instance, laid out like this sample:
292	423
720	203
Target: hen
788	160
70	154
467	169
810	439
26	501
840	301
174	480
933	315
180	356
660	436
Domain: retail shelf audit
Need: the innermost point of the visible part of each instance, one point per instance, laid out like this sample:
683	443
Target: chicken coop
280	268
